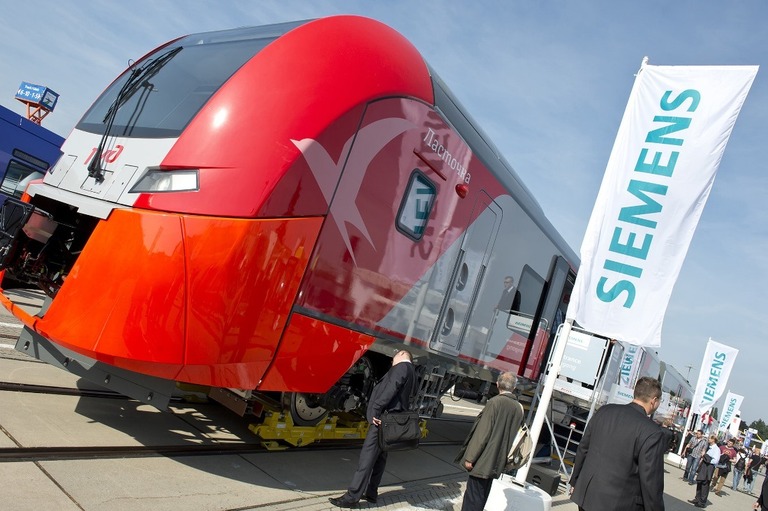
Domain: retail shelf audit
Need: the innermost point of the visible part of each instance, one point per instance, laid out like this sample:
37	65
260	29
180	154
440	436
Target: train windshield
158	96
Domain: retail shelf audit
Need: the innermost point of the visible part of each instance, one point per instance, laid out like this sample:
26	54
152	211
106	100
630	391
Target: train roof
25	124
487	152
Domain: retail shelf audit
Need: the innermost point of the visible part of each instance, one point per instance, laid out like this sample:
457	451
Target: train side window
17	177
416	206
37	162
463	278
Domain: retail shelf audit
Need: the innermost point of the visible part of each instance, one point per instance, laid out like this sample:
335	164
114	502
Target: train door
467	272
549	315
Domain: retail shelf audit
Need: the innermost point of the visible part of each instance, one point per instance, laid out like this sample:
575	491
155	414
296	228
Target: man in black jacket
620	460
392	393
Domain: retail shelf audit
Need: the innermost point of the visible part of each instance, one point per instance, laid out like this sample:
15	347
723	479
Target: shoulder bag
522	446
399	431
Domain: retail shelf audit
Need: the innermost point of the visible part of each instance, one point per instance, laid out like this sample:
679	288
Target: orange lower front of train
195	299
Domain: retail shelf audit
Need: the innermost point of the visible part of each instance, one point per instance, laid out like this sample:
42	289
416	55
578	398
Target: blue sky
547	81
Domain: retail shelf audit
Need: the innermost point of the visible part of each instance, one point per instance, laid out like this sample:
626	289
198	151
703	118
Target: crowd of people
708	464
619	462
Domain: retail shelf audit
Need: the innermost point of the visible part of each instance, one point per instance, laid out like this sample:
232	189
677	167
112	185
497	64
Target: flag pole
555	363
553	370
687	426
696	398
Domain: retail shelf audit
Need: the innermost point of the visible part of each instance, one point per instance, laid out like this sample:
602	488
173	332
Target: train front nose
179	297
122	299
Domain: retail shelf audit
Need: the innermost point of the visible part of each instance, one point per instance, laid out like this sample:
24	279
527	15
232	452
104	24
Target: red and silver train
274	212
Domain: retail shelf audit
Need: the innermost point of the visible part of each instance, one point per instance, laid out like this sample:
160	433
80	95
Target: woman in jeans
753	464
738	468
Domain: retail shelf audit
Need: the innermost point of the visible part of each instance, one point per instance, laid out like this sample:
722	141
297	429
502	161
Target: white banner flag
713	377
659	175
630	365
734	429
730	407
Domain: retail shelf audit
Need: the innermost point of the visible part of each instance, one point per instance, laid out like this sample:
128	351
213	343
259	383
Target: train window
530	288
448	322
17	178
170	86
461	282
21	155
416	205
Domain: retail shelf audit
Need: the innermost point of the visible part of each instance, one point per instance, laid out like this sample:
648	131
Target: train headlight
160	180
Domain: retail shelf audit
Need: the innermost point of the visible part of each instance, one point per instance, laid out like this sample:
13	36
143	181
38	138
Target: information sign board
37	95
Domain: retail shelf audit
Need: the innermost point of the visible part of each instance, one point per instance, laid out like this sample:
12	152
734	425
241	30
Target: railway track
49	453
104	393
61	391
140	451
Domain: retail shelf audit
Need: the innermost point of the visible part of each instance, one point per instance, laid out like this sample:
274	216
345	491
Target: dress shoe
700	505
694	501
343	501
370	498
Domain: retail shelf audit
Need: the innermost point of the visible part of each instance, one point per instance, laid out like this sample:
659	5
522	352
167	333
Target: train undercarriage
297	419
279	419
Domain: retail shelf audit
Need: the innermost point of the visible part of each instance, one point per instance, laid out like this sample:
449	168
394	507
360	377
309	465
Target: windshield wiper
139	78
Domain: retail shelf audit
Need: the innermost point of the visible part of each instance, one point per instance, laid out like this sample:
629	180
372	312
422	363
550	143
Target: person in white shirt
705	472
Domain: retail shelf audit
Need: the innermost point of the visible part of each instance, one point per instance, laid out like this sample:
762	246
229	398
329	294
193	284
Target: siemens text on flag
659	175
715	369
731	406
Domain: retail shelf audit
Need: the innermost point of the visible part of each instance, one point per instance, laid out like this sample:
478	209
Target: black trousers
702	492
476	494
370	467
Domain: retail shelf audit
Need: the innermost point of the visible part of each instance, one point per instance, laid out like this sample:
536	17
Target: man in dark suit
705	472
620	460
392	393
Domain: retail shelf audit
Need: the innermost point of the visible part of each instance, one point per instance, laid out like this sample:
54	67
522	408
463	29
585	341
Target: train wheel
304	411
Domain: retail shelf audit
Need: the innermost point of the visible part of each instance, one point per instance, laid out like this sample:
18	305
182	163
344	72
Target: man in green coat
484	453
